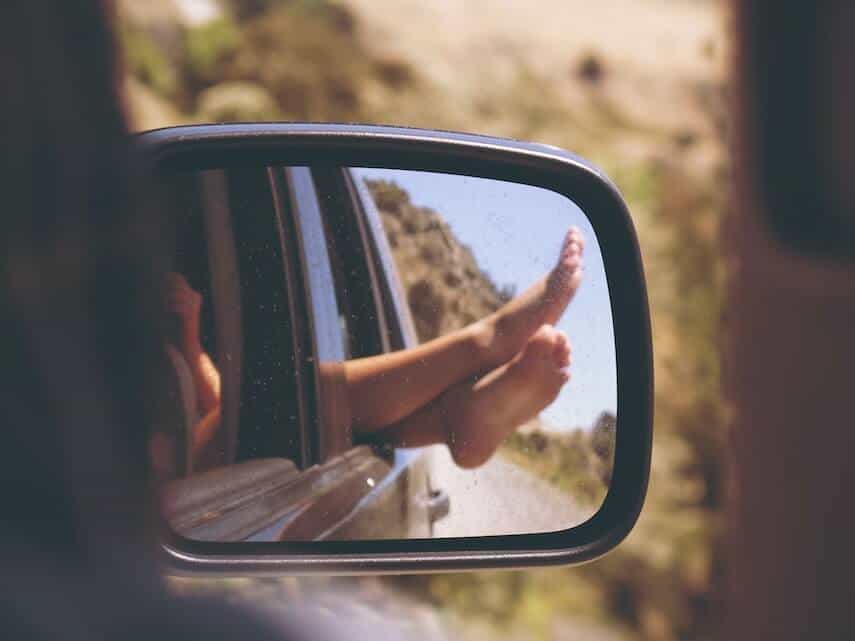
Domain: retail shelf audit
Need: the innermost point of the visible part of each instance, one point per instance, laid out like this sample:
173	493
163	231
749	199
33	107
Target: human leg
473	417
384	389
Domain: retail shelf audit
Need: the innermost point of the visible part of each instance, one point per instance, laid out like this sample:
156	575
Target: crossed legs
471	388
468	389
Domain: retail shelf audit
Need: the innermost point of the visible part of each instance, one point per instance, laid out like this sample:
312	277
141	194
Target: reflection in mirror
373	353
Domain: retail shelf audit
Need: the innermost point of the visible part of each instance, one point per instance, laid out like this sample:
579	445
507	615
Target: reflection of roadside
576	461
499	497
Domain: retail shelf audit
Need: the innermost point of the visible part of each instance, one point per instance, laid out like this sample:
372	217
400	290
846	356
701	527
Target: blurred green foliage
245	9
146	61
312	68
303	54
206	48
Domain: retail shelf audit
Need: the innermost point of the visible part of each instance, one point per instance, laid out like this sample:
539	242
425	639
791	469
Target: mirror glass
361	353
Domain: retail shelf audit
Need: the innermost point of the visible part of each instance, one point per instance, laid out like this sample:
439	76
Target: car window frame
326	344
393	300
345	228
303	346
393	320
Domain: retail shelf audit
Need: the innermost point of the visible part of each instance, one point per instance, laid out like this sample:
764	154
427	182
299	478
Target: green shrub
207	48
313	71
146	61
236	102
578	462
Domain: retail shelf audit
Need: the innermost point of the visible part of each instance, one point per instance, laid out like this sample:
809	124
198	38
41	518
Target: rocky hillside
446	289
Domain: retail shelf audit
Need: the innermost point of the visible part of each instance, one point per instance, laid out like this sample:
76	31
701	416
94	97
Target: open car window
286	292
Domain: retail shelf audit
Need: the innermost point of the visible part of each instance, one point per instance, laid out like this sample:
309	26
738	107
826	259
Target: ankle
466	445
483	344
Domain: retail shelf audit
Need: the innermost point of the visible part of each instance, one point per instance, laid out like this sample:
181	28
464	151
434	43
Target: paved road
499	498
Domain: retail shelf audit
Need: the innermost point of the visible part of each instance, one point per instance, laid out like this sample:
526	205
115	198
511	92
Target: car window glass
269	412
232	343
358	310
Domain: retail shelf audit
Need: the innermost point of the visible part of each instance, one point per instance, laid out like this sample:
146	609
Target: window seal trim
300	323
322	308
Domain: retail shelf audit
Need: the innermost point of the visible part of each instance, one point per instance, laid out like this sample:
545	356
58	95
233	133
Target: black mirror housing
212	146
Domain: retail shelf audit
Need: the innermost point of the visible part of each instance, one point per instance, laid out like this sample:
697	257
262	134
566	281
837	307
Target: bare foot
505	332
479	415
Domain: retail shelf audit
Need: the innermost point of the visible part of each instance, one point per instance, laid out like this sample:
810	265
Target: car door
309	298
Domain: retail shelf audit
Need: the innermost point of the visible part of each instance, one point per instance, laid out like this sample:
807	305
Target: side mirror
396	350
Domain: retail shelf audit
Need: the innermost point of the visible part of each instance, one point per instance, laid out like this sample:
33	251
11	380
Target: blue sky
515	232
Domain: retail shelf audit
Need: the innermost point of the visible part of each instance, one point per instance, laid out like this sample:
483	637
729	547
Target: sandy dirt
654	52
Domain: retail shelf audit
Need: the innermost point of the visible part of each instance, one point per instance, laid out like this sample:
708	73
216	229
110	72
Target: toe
568	242
565	357
571	252
574	237
562	350
576	278
542	343
570	262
